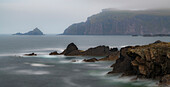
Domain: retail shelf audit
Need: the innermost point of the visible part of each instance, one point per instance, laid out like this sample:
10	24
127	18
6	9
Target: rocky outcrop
91	60
165	80
72	50
97	51
31	54
123	22
147	61
54	53
36	31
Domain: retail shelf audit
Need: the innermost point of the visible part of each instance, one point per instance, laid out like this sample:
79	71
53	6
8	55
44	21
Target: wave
31	72
39	65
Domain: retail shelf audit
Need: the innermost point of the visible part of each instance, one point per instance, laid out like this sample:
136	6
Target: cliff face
110	22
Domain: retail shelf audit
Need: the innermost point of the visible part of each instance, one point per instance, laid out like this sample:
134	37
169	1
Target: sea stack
35	31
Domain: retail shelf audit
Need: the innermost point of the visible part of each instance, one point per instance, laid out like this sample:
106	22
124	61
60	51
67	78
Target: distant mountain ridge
35	31
123	22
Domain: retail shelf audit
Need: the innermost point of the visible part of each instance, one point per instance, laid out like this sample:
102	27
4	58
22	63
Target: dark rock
97	51
123	64
70	48
114	49
165	81
158	41
54	53
90	60
147	61
31	54
74	53
36	31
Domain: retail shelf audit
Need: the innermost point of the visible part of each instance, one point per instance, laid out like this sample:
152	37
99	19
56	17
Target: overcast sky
54	16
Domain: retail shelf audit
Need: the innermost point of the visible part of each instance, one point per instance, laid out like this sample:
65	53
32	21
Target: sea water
43	70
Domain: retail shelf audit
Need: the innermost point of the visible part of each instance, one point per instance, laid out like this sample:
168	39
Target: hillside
123	22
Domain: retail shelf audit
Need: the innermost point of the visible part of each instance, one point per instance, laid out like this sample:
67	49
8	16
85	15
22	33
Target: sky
54	16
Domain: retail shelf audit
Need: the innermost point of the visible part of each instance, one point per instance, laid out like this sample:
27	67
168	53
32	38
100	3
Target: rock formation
90	60
36	31
72	50
54	53
147	61
31	54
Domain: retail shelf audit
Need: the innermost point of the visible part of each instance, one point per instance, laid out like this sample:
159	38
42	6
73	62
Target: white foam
78	61
31	72
94	65
41	65
65	61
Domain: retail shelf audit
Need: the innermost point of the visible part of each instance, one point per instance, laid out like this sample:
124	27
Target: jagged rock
165	81
54	53
31	54
147	61
97	51
123	64
90	60
70	48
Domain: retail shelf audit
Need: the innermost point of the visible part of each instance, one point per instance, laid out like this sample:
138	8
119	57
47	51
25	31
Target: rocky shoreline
147	61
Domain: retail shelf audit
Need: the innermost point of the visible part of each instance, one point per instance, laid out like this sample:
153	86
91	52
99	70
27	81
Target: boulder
31	54
54	53
90	60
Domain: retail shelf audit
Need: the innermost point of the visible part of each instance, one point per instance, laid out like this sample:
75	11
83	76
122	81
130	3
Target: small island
35	31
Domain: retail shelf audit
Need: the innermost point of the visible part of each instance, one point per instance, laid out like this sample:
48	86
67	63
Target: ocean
17	70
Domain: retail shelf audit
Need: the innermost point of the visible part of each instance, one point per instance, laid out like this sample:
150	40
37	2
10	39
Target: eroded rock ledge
147	61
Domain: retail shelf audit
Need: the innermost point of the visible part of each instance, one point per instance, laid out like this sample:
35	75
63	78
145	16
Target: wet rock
147	61
123	64
97	51
74	53
54	53
90	60
70	48
31	54
165	81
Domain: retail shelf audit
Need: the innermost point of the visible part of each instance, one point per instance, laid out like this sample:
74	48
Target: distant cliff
36	31
123	22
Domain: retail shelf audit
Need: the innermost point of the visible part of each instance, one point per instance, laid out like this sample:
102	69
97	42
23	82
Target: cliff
36	31
123	22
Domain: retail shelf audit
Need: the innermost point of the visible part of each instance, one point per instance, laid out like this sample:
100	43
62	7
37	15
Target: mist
54	16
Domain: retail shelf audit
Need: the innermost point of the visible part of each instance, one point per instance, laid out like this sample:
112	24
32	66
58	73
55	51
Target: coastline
129	61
